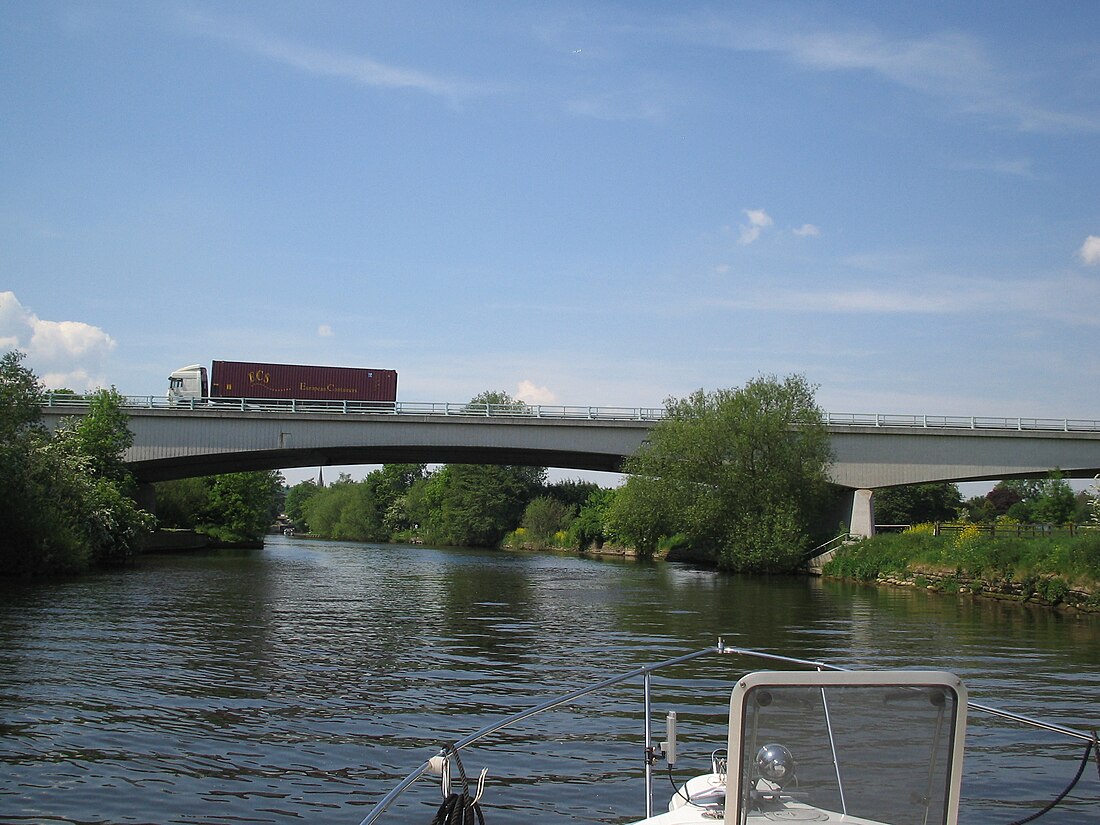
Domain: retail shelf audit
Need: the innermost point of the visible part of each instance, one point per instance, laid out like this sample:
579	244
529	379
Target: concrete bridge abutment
863	514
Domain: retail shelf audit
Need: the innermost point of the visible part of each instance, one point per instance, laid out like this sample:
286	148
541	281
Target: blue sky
577	203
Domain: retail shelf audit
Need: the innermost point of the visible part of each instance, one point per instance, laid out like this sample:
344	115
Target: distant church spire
320	476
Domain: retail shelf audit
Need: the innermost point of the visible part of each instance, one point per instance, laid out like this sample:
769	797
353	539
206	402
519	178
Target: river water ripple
298	683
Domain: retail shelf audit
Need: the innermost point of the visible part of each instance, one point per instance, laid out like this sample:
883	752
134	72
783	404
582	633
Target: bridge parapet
870	450
962	422
60	401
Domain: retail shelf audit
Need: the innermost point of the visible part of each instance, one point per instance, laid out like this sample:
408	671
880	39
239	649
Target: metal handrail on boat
645	672
550	704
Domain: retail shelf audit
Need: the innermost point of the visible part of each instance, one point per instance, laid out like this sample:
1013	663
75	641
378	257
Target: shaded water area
297	683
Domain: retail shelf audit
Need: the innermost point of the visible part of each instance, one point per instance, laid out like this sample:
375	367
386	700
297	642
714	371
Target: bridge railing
74	402
560	412
962	422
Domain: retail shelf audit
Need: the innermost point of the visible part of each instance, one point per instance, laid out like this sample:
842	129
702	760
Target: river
294	684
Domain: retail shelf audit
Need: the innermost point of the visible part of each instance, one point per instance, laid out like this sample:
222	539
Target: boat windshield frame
819	700
645	672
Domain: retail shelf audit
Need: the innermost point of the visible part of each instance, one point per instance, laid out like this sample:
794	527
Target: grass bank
1056	570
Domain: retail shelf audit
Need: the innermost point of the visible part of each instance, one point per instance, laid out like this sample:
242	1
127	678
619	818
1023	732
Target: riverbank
181	541
604	551
1060	572
1044	591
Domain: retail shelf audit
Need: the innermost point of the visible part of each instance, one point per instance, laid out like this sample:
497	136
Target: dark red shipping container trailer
247	379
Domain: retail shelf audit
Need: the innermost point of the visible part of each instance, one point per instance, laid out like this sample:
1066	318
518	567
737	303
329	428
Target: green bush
871	558
670	544
1053	590
544	517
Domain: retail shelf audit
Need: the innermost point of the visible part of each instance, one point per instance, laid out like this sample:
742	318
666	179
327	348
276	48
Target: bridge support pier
863	514
146	497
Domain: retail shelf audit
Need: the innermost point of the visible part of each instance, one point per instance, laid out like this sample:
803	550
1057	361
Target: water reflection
297	682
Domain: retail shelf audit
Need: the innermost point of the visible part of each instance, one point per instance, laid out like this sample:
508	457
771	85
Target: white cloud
759	220
807	230
952	66
1019	167
1065	299
1090	250
325	331
615	107
16	325
865	300
62	353
529	393
358	69
67	340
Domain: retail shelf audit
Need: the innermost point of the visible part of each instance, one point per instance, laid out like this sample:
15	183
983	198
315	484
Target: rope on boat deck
460	808
1091	747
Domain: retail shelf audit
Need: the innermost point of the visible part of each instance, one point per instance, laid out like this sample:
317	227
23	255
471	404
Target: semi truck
250	379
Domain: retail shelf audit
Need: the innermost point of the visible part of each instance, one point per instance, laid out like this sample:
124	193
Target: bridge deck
871	450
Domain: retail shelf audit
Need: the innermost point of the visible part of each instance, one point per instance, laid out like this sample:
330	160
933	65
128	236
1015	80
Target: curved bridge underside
205	443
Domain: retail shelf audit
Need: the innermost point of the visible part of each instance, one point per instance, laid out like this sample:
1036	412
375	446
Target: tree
1048	500
1002	497
241	506
113	526
21	396
544	517
346	510
590	526
1055	502
980	510
917	503
420	500
390	487
25	507
103	434
182	503
296	499
1083	504
369	510
640	515
391	482
42	503
486	402
572	492
741	473
64	496
474	504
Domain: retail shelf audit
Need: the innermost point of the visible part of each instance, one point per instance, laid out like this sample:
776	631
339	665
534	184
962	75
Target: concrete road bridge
871	451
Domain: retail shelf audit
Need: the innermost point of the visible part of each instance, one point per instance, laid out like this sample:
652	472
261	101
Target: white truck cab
187	383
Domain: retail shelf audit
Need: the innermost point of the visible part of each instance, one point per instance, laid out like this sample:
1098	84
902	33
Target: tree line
1048	501
735	477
